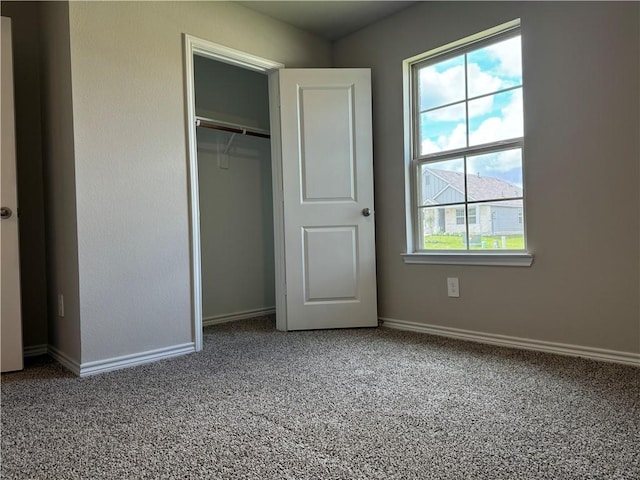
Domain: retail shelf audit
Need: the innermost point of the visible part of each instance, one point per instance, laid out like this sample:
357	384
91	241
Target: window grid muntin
469	99
471	203
464	153
463	49
464	163
417	122
418	167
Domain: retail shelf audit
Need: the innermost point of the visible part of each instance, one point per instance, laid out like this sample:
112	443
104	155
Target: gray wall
130	158
581	78
60	179
236	212
25	29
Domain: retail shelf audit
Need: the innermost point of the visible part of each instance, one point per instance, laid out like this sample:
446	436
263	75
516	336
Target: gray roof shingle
479	187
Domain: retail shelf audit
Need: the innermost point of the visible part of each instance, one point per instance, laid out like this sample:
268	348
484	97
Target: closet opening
232	207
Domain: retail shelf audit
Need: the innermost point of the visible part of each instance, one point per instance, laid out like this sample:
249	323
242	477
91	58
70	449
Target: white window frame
414	161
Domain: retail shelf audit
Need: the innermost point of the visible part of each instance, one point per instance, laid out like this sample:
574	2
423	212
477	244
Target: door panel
327	166
10	313
327	175
330	264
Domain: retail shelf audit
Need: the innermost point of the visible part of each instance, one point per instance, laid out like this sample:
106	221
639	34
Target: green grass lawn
455	242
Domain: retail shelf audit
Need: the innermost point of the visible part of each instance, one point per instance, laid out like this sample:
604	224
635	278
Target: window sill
487	259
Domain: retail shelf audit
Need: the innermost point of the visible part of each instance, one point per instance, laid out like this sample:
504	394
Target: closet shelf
231	127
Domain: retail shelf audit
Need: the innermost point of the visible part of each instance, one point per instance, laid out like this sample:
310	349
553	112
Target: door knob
5	212
366	212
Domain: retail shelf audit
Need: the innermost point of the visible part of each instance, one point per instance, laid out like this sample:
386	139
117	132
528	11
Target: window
473	215
467	137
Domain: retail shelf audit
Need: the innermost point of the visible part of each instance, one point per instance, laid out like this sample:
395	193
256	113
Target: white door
327	177
10	314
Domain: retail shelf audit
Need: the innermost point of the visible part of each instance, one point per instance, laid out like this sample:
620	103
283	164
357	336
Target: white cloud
440	88
457	139
508	53
481	82
507	125
508	160
448	86
486	131
495	162
452	113
513	111
480	106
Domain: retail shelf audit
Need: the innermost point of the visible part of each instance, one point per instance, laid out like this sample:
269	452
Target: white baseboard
626	358
231	317
35	350
64	359
126	361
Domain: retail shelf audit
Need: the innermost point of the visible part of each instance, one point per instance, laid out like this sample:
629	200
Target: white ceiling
329	19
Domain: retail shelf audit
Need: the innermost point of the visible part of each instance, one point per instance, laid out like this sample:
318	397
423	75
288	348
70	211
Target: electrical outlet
60	305
453	287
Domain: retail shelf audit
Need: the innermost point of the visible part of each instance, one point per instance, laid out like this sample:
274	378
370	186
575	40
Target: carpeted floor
338	404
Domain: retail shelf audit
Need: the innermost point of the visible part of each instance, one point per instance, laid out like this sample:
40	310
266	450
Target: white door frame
221	53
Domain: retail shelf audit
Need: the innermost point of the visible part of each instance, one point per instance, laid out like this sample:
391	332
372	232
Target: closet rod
207	123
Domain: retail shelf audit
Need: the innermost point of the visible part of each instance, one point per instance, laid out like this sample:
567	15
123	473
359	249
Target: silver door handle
5	212
366	212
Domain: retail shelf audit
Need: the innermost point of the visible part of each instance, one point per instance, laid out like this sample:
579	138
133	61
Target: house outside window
467	145
473	216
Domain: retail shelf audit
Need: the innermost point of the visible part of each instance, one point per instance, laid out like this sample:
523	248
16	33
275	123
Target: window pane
441	83
495	67
442	182
495	117
496	175
499	226
440	230
473	215
443	129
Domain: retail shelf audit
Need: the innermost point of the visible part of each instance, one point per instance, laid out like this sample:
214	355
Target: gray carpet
349	404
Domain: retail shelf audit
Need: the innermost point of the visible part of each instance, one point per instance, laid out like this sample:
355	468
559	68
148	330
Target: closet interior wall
236	212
